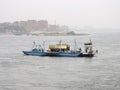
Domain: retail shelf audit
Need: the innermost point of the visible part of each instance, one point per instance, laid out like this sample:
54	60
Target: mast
60	45
44	45
34	44
75	47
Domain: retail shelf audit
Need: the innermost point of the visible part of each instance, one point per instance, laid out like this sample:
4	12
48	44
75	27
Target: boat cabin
88	47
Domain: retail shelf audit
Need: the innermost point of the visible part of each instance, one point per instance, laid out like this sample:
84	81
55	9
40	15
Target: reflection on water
20	72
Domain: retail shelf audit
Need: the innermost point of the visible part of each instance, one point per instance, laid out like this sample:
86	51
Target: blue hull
58	54
34	53
63	54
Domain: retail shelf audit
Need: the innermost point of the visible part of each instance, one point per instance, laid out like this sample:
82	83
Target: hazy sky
93	13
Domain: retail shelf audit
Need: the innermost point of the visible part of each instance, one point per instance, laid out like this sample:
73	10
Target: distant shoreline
49	34
59	34
80	34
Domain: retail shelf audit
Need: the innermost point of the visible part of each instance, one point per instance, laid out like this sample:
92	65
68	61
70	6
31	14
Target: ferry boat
62	50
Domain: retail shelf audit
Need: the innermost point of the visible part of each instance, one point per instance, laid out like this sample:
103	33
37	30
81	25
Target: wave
4	58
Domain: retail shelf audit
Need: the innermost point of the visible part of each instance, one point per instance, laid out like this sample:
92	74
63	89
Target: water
20	72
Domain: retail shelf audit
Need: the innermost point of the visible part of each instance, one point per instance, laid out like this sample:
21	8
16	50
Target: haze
91	13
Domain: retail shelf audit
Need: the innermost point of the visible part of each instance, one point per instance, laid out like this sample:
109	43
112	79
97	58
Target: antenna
55	22
55	25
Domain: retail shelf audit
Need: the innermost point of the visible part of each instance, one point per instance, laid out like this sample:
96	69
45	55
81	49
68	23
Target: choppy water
20	72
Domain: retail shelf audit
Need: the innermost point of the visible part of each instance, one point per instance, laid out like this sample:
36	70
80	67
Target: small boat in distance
62	50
